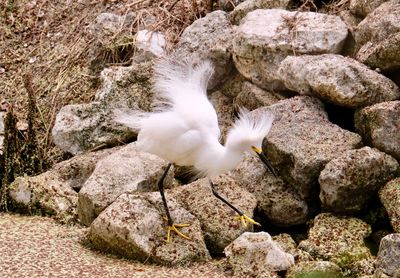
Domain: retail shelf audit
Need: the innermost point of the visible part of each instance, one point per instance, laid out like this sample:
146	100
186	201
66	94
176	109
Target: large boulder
363	8
390	198
337	239
82	127
337	79
126	170
209	37
55	192
217	220
388	258
133	226
351	180
257	255
265	37
302	141
276	199
379	126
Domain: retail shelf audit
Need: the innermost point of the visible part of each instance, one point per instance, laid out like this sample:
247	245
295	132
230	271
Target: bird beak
265	160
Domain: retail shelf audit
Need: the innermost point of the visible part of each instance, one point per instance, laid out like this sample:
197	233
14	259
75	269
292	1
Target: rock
384	55
337	79
363	268
252	97
363	8
133	227
209	37
288	245
245	7
337	239
149	45
315	269
108	24
82	127
266	37
52	192
257	255
388	258
350	181
379	24
233	85
216	218
228	5
2	115
302	141
126	170
390	198
224	108
276	199
379	126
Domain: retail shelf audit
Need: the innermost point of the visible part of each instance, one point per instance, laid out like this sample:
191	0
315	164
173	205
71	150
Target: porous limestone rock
390	198
350	181
388	258
315	269
364	7
337	79
379	126
126	170
257	255
133	226
266	37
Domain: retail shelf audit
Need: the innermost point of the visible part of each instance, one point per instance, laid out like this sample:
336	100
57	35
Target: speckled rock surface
288	245
300	155
337	79
379	126
277	200
337	239
350	181
224	108
315	269
2	114
265	37
47	249
384	54
209	37
133	227
233	85
245	7
364	7
388	258
390	198
251	97
53	191
379	24
216	218
81	127
126	170
257	255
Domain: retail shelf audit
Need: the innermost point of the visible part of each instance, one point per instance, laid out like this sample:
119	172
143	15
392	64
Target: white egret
184	130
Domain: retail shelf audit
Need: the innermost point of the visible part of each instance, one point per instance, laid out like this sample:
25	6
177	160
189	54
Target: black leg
216	194
161	189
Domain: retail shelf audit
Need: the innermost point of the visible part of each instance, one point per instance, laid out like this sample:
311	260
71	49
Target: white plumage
183	128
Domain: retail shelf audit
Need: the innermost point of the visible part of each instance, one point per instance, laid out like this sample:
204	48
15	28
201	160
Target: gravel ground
33	246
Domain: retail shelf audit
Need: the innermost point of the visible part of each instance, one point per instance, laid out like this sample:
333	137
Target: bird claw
245	218
174	228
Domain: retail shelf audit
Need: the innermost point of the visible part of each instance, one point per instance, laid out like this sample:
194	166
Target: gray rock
302	141
224	108
288	245
337	79
388	258
315	269
257	255
379	126
247	6
266	37
133	227
379	24
53	192
81	127
108	24
251	97
228	5
276	199
350	181
363	8
384	55
216	218
337	239
126	170
209	37
390	198
233	85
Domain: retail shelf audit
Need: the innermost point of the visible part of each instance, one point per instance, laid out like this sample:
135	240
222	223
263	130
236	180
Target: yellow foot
174	228
245	218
